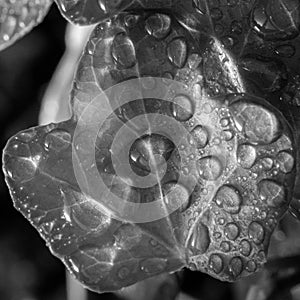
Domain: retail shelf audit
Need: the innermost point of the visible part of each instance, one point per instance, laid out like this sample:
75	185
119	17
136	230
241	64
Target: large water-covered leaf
86	12
218	126
18	17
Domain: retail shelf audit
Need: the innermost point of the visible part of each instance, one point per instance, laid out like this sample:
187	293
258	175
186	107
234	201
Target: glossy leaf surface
18	17
239	167
86	12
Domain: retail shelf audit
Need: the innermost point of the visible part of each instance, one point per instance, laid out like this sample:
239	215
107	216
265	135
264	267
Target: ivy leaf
19	17
87	12
229	156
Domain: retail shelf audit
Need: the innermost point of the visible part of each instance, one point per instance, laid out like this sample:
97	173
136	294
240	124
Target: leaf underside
240	176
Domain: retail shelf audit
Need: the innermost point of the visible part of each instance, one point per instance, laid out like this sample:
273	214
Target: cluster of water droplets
238	158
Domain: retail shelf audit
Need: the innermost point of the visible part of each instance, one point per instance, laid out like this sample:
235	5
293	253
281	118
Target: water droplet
229	199
8	28
199	241
225	246
276	19
20	168
58	140
228	41
245	248
286	162
215	263
285	50
236	27
123	273
182	108
267	163
131	20
228	135
123	51
258	124
176	195
194	61
216	14
148	151
272	193
225	122
251	266
256	232
235	266
200	136
27	136
17	148
231	231
158	25
177	52
210	168
246	156
153	265
219	29
217	235
148	83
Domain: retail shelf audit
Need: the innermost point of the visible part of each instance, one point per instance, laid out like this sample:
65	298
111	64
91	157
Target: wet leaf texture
238	162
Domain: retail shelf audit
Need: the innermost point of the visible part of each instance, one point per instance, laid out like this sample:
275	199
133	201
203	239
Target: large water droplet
231	231
158	25
182	108
215	263
148	148
258	124
177	52
235	266
246	156
200	239
58	140
229	199
210	168
200	136
272	193
256	232
20	168
123	51
286	162
176	195
276	19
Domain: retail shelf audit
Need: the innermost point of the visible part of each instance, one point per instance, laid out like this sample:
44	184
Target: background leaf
19	17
